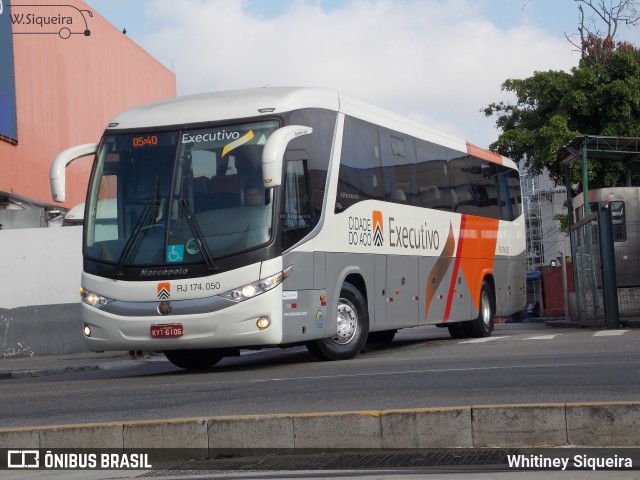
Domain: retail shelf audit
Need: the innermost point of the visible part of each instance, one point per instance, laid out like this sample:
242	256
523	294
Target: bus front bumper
140	326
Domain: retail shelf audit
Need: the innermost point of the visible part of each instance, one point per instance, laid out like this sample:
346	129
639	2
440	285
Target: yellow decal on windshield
236	143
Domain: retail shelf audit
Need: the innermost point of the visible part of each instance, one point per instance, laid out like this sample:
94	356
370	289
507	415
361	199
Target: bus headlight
254	289
93	299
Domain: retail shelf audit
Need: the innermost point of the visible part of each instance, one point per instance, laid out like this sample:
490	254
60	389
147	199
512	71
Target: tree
611	15
601	96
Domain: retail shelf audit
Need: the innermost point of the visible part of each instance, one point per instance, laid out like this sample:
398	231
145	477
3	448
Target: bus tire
194	359
457	330
384	336
352	328
483	325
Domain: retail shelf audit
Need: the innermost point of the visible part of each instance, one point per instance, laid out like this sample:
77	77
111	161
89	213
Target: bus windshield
178	197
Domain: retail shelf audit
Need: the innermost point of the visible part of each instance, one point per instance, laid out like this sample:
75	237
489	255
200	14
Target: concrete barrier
597	424
427	428
519	426
609	424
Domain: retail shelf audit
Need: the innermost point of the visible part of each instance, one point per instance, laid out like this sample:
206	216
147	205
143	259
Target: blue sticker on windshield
175	253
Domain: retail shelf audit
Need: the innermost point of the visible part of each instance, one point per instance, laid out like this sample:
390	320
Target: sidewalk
40	366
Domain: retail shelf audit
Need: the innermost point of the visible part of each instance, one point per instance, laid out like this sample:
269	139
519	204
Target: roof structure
595	147
587	148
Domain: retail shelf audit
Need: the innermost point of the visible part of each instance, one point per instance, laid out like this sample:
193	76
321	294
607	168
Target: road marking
486	339
438	370
609	333
544	337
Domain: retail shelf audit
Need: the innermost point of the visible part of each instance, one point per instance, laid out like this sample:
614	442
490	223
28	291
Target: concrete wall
527	426
40	272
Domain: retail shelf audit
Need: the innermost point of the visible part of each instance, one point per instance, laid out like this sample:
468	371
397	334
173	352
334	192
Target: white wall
40	266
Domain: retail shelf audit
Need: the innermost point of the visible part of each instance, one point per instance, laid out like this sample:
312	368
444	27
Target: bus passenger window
360	176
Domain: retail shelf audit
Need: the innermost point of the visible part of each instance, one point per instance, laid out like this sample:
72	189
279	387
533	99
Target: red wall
552	290
67	90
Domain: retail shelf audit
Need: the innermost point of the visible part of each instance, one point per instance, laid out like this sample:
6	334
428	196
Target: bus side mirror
57	172
273	153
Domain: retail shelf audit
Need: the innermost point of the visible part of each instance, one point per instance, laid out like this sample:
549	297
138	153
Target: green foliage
563	218
601	96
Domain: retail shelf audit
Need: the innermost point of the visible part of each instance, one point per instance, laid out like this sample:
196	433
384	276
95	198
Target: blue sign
8	122
175	253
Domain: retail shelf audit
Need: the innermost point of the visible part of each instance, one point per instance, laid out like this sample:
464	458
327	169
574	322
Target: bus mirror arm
57	172
273	153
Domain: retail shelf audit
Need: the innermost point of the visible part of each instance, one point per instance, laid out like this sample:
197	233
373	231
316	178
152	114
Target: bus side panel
460	301
377	316
303	316
402	302
434	283
510	279
304	313
338	267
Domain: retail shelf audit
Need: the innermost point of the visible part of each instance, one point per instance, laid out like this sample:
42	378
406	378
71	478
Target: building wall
67	90
40	271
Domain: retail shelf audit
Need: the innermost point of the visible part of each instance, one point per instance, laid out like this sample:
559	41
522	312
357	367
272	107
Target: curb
615	424
43	372
70	366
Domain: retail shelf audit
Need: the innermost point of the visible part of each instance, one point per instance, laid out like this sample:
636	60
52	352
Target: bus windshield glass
181	197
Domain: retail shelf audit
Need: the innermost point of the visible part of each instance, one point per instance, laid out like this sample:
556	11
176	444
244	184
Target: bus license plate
169	330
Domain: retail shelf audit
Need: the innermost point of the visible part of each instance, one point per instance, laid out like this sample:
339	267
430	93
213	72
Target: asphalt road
423	367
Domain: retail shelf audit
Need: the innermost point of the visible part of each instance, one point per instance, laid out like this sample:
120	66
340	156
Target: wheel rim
486	310
347	322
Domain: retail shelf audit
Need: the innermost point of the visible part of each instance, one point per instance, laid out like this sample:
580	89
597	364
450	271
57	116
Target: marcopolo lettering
163	272
210	137
417	238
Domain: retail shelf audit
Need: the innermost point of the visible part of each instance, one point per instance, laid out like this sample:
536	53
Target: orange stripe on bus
456	265
478	252
439	270
484	154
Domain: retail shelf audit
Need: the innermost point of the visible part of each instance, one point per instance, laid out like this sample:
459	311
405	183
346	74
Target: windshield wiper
197	232
150	211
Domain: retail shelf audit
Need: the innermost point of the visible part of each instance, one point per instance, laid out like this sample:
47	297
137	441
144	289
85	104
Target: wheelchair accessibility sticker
175	253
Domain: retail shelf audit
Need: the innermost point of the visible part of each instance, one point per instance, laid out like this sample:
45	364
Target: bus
365	223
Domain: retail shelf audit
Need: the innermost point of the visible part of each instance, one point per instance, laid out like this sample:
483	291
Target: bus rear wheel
194	359
352	328
457	330
483	325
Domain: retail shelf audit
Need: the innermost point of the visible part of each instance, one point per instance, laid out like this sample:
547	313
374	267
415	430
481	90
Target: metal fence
584	273
588	274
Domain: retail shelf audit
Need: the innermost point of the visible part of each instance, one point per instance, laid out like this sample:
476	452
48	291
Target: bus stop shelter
592	235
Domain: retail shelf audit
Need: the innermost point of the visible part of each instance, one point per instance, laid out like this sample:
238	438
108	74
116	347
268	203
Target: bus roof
237	104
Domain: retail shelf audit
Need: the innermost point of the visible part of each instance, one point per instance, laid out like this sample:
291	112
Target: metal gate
590	309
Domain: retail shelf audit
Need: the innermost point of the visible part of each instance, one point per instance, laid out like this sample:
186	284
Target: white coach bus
289	216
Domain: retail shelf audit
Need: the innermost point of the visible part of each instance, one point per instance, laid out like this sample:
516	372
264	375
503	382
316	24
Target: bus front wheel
194	359
352	328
